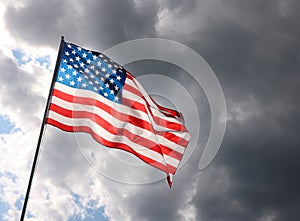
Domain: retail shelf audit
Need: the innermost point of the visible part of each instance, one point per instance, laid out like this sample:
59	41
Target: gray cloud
100	23
18	100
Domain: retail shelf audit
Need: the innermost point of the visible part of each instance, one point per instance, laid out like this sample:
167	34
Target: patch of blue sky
44	61
10	176
6	126
4	207
19	55
91	214
19	203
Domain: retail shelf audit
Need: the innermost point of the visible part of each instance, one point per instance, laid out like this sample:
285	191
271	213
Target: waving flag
93	94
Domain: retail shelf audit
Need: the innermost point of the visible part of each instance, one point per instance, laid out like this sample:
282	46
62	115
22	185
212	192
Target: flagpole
42	129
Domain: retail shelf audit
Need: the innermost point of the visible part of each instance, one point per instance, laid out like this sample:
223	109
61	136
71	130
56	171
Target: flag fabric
94	94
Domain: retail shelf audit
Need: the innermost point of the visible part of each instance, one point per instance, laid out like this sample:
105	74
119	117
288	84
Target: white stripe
171	161
119	124
105	134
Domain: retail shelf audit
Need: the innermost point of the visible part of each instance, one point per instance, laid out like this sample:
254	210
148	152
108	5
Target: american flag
94	94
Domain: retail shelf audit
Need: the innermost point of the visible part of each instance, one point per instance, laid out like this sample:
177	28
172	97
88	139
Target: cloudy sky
253	48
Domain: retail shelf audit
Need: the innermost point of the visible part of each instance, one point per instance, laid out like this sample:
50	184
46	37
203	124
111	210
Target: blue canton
93	71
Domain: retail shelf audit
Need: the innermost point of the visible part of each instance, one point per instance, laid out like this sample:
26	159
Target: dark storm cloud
255	48
256	57
261	157
100	23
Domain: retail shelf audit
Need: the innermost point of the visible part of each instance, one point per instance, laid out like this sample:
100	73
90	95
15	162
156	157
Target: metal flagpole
42	129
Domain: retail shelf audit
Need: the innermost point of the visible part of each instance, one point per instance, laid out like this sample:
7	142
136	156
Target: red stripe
170	111
107	126
121	116
107	143
170	136
134	104
129	75
171	169
170	152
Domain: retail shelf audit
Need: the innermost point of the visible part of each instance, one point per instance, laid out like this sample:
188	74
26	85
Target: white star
79	48
100	55
77	58
102	79
114	71
92	76
97	72
88	61
74	52
97	82
79	79
93	67
116	98
67	76
71	60
84	55
118	78
105	60
107	75
107	85
101	88
65	61
109	65
99	63
103	69
116	88
91	83
85	76
74	73
112	92
75	65
84	85
69	66
72	83
68	45
112	81
82	64
105	94
67	53
95	89
87	70
60	78
63	70
94	57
